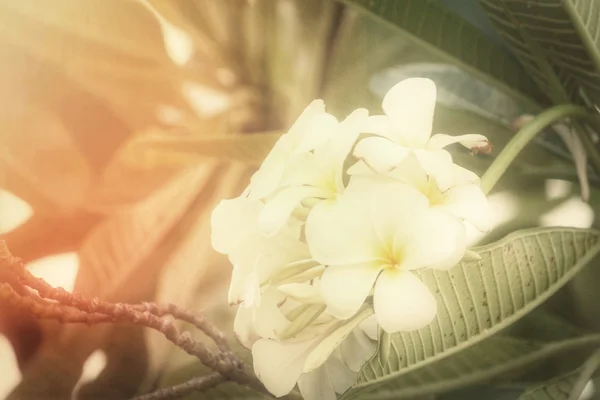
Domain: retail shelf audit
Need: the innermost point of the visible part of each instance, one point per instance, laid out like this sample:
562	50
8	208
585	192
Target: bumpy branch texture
20	288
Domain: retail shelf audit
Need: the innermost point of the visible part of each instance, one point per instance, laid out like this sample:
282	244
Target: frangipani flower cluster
325	239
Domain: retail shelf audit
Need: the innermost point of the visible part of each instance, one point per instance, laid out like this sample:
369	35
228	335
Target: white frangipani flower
406	128
323	256
254	257
312	358
371	239
463	199
314	175
313	127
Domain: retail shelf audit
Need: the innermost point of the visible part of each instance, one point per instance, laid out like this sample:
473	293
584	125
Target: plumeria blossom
324	255
315	175
313	358
463	199
406	129
371	239
254	257
313	127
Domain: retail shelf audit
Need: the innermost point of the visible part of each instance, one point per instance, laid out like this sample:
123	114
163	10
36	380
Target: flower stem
526	134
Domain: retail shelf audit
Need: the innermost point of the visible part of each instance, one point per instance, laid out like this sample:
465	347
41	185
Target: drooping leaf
251	149
360	71
556	41
430	24
279	48
478	299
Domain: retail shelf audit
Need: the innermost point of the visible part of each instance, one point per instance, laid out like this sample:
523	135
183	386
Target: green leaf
431	25
569	386
480	298
556	41
483	362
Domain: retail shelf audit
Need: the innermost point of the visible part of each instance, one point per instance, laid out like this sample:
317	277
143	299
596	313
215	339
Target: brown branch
188	316
198	384
225	362
49	311
66	307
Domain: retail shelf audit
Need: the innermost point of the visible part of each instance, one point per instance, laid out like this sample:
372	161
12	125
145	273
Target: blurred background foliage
124	122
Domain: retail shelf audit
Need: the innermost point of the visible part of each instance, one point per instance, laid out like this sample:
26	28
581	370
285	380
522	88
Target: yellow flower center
432	192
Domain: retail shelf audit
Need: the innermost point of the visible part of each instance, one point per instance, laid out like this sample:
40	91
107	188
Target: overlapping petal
344	288
402	302
410	105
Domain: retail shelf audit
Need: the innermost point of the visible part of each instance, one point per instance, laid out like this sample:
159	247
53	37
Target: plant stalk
527	133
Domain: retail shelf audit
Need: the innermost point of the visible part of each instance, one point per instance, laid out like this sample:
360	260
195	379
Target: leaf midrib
480	375
592	252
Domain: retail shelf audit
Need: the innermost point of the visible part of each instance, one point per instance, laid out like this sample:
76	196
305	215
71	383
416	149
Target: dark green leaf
431	25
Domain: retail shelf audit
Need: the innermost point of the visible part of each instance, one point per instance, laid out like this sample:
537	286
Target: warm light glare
13	211
58	270
92	367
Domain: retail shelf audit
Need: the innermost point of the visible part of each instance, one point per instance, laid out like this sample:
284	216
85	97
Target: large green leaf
491	359
557	42
569	386
431	25
477	299
538	338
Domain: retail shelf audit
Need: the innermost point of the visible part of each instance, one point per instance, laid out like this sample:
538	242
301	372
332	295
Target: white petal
411	172
357	348
317	385
360	168
244	286
440	141
243	327
269	175
393	205
326	346
402	302
463	175
268	320
278	251
344	288
410	105
332	155
317	131
231	221
370	327
279	365
278	209
303	292
434	240
469	203
381	154
339	374
438	165
340	232
381	125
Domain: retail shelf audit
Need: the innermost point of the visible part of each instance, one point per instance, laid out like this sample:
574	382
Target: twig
226	363
198	384
66	307
49	311
188	316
